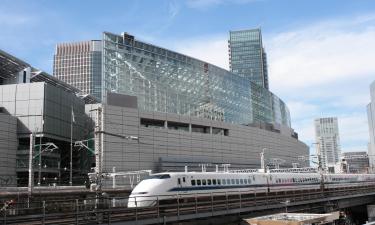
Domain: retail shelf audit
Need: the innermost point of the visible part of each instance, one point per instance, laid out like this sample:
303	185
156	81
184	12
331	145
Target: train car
294	181
163	188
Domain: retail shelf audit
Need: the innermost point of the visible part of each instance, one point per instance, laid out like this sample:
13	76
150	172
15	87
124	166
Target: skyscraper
247	57
79	64
371	125
327	140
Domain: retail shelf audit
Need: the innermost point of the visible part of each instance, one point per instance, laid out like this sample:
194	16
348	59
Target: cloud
203	4
322	69
174	8
212	49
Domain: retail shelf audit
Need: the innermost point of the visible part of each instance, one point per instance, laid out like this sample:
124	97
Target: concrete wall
241	147
8	149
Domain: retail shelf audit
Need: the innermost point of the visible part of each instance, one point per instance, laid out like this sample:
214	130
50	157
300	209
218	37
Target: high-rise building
247	57
327	141
79	64
371	125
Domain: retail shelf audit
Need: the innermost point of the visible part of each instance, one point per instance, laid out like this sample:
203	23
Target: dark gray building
33	101
356	162
168	141
247	56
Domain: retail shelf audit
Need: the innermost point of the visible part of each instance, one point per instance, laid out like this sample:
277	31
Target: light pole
262	160
319	155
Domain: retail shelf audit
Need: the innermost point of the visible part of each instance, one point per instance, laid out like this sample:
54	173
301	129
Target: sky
320	52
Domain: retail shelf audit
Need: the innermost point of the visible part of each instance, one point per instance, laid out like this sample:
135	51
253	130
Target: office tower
371	125
327	140
79	64
247	57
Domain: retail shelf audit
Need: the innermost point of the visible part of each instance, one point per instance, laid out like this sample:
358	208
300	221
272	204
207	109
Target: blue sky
321	53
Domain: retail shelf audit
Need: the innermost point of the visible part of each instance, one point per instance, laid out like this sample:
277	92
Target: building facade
34	102
169	141
247	57
9	144
79	64
170	82
356	162
371	124
327	141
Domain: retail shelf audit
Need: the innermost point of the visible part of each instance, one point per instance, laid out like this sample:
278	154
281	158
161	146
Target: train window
213	181
224	182
253	178
178	181
192	182
203	182
218	181
249	181
245	181
159	176
241	181
233	181
237	181
228	181
209	182
199	182
183	179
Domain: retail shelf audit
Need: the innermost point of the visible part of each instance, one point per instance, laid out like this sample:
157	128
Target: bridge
107	210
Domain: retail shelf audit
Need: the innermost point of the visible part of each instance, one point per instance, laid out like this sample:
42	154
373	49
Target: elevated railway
105	210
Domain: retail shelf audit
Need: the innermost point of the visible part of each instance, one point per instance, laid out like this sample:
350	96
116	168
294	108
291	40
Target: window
192	182
241	181
224	182
249	181
237	181
209	182
198	182
179	181
160	176
233	181
183	179
219	181
203	182
213	181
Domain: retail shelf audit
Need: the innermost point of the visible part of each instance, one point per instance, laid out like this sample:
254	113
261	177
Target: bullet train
164	187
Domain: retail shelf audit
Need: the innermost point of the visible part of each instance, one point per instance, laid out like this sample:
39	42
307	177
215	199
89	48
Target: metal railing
109	210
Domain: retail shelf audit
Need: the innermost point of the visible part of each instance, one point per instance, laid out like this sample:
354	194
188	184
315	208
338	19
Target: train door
182	181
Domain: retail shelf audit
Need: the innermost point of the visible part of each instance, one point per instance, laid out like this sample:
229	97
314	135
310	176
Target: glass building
247	57
167	81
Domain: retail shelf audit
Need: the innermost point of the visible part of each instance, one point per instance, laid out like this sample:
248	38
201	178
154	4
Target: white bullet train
164	187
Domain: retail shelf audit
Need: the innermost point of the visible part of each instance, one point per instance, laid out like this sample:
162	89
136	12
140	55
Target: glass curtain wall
166	81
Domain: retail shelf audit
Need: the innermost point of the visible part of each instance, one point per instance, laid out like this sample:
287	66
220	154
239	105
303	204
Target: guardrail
184	206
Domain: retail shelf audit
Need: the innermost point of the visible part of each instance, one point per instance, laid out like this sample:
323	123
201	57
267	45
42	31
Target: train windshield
159	176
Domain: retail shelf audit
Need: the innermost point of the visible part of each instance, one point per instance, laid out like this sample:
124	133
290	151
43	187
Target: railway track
92	211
